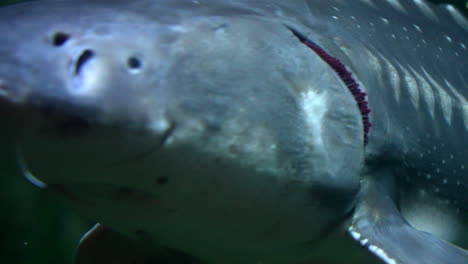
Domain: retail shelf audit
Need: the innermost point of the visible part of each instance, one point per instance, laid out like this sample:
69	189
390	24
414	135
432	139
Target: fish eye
60	38
134	64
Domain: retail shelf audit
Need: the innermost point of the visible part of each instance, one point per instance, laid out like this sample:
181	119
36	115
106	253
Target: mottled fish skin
414	69
247	146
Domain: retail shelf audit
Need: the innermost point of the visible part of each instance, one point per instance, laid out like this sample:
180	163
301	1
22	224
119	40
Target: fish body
238	131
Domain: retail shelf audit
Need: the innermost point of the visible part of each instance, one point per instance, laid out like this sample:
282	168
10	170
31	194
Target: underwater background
36	228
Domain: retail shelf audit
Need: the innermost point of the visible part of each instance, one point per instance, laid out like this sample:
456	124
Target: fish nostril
60	38
134	64
83	59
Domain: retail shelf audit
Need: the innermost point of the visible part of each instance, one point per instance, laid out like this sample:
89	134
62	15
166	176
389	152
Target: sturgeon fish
207	131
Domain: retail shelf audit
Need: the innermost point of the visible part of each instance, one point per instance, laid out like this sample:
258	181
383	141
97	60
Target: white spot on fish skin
449	39
418	28
335	17
336	8
385	21
463	46
428	176
445	181
426	10
397	5
405	29
393	36
457	16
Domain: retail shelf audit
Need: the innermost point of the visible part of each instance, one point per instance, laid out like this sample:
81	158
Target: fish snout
62	139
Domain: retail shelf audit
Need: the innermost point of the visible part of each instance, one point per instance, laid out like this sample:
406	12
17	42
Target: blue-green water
36	228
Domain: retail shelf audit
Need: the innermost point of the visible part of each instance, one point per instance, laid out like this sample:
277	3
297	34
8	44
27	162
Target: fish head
182	109
73	88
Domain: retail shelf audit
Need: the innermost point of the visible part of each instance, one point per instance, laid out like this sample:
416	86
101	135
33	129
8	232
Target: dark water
36	228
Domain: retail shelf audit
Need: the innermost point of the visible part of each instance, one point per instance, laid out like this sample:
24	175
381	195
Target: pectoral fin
379	226
101	245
